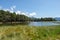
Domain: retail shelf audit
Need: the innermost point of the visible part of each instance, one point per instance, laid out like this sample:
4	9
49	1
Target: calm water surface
43	23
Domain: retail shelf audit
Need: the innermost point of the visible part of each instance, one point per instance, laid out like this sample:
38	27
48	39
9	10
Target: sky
34	8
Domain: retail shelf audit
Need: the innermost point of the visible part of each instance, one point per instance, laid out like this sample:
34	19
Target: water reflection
32	23
42	23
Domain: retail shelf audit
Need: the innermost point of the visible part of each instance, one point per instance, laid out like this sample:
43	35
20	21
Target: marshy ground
24	32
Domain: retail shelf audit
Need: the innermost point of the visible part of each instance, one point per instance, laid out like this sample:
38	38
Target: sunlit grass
24	32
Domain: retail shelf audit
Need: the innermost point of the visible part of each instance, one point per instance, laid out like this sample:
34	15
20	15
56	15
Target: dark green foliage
42	19
48	19
6	16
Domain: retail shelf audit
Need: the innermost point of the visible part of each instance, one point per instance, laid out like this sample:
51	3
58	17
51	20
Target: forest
6	16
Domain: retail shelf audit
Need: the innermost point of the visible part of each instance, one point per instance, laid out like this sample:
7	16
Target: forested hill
6	16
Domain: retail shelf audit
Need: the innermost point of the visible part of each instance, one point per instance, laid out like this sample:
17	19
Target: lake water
36	23
43	23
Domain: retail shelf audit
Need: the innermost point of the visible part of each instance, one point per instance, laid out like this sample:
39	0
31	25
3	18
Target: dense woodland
6	16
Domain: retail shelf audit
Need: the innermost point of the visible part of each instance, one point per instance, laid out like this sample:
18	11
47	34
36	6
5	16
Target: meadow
25	32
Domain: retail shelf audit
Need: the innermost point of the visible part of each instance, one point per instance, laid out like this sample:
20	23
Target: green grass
24	32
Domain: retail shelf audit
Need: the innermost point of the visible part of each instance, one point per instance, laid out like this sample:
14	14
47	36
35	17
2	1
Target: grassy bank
19	32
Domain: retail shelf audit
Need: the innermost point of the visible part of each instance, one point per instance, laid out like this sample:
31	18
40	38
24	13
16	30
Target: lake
43	23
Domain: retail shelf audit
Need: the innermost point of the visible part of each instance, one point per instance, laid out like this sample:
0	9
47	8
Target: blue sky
36	8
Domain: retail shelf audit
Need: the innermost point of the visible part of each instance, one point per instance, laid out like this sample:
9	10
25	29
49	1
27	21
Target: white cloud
32	14
13	7
18	12
11	11
8	10
26	13
22	13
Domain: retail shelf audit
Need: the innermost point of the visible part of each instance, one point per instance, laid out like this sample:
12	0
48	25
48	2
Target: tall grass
23	32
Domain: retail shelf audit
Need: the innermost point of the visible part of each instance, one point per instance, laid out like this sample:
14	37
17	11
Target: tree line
6	16
43	19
